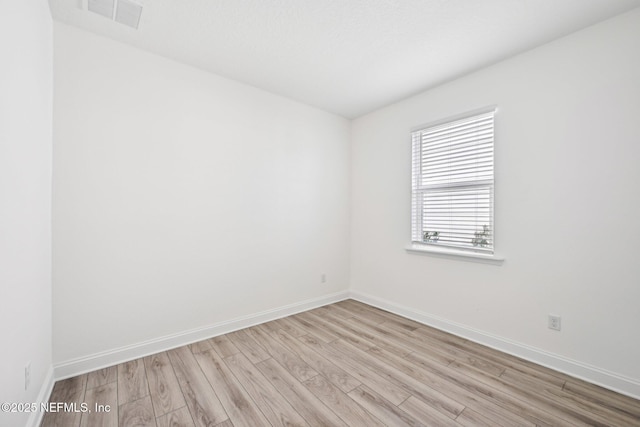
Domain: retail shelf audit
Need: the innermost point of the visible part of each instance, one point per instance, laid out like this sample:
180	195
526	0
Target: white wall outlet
323	278
27	376
554	322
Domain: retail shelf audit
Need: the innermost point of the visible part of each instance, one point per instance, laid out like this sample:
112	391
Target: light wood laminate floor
345	364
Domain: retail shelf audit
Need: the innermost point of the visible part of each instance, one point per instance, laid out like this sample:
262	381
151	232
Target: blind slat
457	139
459	148
476	152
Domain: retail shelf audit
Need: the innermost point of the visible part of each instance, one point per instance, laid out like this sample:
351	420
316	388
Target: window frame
416	211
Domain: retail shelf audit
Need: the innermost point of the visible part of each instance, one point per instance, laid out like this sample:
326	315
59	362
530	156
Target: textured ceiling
348	57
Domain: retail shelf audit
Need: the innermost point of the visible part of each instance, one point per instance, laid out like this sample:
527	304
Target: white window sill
455	254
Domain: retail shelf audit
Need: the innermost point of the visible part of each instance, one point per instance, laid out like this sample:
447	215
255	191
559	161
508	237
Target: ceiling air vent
123	11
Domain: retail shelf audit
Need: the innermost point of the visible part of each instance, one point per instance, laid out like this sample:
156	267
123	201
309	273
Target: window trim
450	253
446	251
456	117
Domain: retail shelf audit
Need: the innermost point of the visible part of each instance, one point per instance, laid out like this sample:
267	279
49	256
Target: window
452	184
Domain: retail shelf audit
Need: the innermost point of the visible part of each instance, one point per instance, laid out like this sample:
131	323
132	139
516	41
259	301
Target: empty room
320	213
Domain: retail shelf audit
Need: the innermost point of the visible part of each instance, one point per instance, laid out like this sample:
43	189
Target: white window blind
452	184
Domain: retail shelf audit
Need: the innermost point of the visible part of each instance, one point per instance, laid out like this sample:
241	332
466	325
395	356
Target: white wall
26	49
182	199
567	203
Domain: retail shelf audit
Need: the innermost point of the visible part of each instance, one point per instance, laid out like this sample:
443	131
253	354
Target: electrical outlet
554	322
27	376
323	278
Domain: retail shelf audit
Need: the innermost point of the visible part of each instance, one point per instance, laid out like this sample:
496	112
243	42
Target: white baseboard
104	359
592	374
35	418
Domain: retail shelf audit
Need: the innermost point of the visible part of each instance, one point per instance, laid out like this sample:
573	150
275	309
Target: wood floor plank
356	309
401	323
132	381
200	346
138	413
223	346
602	412
404	339
382	409
334	309
440	335
286	324
465	394
368	323
344	335
380	336
235	400
294	363
102	402
427	415
517	364
399	342
445	379
273	405
553	401
164	388
603	397
363	331
204	406
564	399
305	402
404	380
178	418
481	364
521	378
71	391
310	327
510	404
489	354
346	408
471	418
360	307
102	377
454	347
392	320
362	372
248	346
319	363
